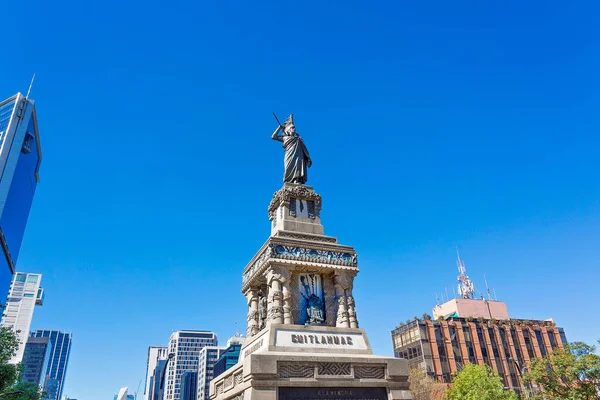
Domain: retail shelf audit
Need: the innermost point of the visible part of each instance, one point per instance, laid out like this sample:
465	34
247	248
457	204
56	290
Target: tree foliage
423	387
569	373
478	382
10	387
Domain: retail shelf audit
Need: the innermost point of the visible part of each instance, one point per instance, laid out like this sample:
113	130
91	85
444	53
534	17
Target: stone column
287	311
275	298
351	313
252	298
340	281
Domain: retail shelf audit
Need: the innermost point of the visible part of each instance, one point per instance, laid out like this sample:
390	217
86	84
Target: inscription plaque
303	393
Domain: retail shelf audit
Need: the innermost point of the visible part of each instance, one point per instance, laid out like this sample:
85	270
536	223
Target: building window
493	342
563	337
552	339
517	346
21	278
541	344
528	344
32	279
455	345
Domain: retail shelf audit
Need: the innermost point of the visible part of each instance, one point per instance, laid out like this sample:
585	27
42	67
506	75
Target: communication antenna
466	289
446	293
437	299
30	85
495	297
487	289
453	293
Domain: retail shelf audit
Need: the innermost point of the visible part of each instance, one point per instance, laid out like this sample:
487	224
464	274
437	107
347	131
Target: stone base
293	362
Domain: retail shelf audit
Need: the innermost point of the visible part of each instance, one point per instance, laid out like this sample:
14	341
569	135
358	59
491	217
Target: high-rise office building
189	385
59	361
478	331
230	356
156	379
155	353
24	294
20	158
206	369
186	346
35	360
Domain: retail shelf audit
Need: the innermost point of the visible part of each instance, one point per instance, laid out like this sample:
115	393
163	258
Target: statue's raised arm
296	160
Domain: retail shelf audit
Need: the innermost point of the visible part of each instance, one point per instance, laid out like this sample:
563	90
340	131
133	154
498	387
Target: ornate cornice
305	236
275	252
287	192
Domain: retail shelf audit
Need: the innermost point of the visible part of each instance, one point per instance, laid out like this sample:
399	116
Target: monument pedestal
293	362
303	336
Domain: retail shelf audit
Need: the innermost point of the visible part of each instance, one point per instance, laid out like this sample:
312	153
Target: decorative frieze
296	371
330	257
369	372
333	368
312	255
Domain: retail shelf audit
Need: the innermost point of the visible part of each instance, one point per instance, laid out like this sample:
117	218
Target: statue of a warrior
297	159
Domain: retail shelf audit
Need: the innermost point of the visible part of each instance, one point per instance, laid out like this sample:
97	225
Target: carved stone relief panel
295	297
330	300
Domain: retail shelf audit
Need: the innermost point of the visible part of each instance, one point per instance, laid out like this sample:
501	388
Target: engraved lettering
294	338
342	340
349	340
312	338
253	348
336	340
329	340
317	340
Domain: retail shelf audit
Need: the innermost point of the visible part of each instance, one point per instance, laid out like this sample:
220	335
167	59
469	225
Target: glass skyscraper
35	360
189	385
20	158
186	346
59	360
230	356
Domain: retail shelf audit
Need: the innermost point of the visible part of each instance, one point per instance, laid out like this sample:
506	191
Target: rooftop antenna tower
30	86
487	289
465	285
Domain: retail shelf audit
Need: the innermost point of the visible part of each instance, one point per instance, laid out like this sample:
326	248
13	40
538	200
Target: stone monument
303	336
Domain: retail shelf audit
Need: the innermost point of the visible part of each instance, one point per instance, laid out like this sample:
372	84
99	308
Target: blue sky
431	126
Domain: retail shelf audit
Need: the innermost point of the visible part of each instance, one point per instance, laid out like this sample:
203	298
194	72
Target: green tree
423	387
478	382
569	373
10	374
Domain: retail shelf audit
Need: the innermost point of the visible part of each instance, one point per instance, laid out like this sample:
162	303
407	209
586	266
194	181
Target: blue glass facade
189	386
35	360
228	359
59	360
20	159
155	381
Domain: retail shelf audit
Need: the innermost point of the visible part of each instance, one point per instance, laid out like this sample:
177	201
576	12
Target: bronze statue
296	160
